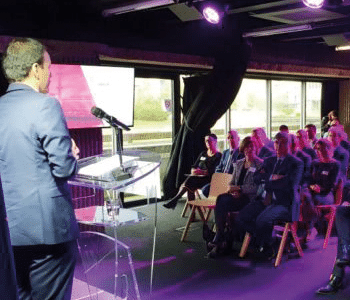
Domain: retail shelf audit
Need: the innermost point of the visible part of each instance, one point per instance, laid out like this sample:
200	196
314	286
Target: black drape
209	96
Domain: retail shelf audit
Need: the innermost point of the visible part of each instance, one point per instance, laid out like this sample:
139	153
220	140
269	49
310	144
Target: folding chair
219	184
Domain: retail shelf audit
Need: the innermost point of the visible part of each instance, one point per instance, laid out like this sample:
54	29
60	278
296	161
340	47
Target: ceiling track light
277	30
321	3
342	48
213	12
135	6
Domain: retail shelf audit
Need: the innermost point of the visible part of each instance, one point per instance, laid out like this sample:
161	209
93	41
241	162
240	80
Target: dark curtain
330	97
206	99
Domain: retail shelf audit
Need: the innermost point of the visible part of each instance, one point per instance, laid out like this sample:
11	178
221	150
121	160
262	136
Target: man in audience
284	128
229	156
340	154
304	143
342	222
311	131
281	174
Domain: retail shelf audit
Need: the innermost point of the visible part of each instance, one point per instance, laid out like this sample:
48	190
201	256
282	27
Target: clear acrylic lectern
139	174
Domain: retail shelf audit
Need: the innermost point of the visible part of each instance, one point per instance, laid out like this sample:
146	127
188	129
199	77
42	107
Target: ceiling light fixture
135	5
277	30
314	3
342	48
213	12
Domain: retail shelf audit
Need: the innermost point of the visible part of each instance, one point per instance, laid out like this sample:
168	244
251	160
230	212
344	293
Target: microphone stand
118	150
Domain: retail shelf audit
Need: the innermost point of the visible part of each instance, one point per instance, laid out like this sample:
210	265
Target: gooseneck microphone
99	113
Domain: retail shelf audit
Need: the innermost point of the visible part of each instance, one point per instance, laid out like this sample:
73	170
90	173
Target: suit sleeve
55	140
291	179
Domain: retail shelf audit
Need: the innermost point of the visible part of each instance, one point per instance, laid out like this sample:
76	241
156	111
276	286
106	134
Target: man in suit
340	154
36	161
281	175
229	156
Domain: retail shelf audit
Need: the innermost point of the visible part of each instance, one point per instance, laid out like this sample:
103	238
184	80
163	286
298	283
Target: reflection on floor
182	272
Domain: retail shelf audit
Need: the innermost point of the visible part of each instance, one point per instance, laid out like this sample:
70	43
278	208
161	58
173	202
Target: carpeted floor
182	271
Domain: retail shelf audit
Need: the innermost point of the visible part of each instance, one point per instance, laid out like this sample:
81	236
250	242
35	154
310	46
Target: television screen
79	88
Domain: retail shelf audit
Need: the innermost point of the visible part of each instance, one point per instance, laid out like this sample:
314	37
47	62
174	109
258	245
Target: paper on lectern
105	165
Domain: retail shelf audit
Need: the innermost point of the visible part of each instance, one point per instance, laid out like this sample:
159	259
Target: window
313	105
152	130
285	105
271	103
249	109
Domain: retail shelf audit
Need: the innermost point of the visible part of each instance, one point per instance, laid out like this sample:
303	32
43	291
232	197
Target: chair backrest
219	184
338	192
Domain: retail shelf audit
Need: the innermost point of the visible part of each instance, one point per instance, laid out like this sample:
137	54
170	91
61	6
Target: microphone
99	113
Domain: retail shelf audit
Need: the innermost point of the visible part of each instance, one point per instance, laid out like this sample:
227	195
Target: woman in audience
324	174
241	191
263	145
201	171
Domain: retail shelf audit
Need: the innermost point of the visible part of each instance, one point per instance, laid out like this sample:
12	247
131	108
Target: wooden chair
288	227
218	185
284	227
331	208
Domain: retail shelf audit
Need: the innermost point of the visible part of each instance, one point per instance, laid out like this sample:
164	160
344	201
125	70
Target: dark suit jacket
285	190
341	155
35	164
224	160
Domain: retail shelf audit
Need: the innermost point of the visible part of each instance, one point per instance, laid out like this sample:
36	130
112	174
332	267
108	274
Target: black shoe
344	259
171	204
334	284
265	253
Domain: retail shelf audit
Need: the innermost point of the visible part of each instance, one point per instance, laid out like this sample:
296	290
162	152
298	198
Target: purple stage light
314	3
211	14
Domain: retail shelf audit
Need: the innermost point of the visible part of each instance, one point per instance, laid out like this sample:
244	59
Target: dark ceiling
178	27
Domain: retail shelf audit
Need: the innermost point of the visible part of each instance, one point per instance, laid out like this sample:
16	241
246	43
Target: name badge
252	169
325	173
202	158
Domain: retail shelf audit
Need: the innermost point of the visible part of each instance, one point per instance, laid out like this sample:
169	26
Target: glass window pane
286	105
249	108
152	129
313	105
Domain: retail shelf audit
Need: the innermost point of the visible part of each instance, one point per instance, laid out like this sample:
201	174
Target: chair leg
189	221
245	245
294	228
187	205
282	245
329	228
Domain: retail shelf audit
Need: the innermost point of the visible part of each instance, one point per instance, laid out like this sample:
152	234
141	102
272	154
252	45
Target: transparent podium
108	265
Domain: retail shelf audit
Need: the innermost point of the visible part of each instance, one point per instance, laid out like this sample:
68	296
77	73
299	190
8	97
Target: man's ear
34	71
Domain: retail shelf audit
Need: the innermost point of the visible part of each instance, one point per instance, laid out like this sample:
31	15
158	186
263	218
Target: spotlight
213	13
314	3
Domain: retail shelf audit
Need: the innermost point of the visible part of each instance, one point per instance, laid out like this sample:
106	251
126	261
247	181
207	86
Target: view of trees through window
259	103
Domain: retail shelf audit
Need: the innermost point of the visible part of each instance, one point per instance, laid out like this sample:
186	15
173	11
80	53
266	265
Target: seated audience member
340	154
281	174
311	131
304	157
242	189
201	171
324	174
263	145
342	223
229	156
345	141
304	143
284	128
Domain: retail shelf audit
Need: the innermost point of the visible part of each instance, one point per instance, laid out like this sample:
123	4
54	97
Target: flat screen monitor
79	88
